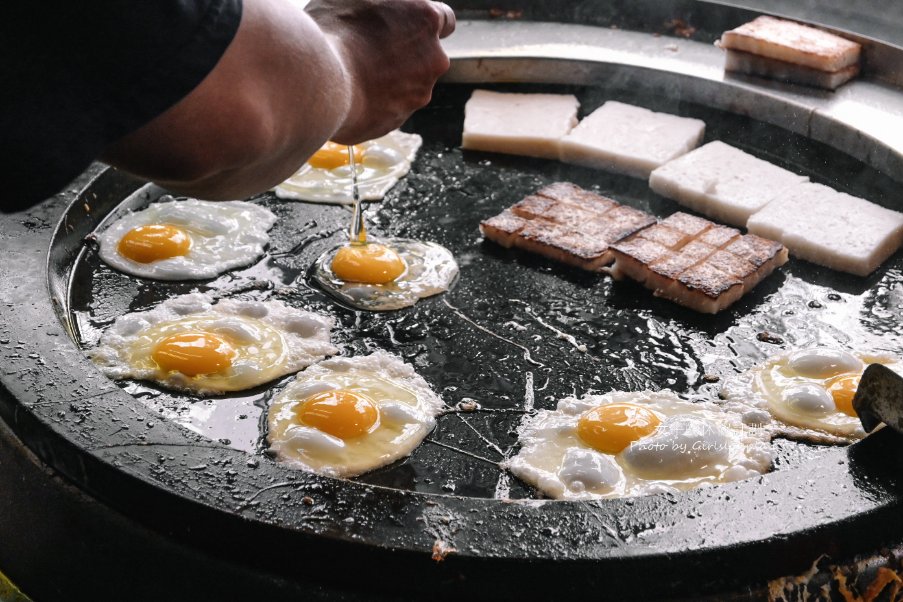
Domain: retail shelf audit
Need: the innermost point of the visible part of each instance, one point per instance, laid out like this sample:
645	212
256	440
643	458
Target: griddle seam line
480	435
460	314
461	451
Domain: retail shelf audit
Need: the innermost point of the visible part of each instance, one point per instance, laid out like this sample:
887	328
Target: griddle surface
509	331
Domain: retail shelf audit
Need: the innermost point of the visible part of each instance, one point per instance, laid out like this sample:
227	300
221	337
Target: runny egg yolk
368	263
611	428
332	155
193	353
340	413
153	242
843	389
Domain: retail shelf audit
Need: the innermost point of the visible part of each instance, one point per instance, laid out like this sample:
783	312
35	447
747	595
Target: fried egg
628	444
186	239
346	416
326	177
805	394
191	343
387	275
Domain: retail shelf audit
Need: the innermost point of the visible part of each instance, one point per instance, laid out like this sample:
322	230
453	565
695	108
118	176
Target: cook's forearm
276	95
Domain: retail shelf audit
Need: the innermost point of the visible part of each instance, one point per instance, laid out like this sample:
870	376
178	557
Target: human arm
344	70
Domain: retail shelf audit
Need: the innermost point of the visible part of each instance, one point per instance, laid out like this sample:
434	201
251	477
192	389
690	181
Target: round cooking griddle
509	337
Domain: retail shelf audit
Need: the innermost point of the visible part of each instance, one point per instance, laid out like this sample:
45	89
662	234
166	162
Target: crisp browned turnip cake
566	224
696	263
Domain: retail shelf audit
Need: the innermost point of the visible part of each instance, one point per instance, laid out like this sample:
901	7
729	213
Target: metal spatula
879	398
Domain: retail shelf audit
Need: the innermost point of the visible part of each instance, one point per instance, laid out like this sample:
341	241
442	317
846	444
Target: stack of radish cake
792	52
709	269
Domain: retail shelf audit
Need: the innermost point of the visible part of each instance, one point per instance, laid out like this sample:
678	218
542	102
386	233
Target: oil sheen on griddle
509	338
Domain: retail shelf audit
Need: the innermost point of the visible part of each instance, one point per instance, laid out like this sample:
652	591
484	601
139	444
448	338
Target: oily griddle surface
510	334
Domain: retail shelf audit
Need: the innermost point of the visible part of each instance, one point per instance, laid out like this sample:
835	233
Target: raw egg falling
361	260
376	275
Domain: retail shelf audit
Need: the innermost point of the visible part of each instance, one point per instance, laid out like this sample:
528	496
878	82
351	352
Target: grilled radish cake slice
722	182
696	263
831	228
631	140
790	51
518	124
566	224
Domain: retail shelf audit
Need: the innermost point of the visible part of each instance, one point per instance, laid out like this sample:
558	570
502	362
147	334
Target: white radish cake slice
831	228
722	182
630	140
518	124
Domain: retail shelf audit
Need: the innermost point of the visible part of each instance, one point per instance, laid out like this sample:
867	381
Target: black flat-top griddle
516	331
509	336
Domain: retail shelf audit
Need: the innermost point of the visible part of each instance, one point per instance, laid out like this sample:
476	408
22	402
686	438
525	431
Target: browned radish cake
790	51
696	263
567	224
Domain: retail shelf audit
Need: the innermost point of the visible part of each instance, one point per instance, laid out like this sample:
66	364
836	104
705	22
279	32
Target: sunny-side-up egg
186	239
326	177
191	343
386	275
629	444
346	416
805	394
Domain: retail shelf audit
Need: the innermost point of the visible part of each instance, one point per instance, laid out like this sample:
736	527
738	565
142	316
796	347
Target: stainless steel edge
863	119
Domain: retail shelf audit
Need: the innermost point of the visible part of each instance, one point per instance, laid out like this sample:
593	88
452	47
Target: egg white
788	394
224	235
431	269
380	164
271	339
407	409
695	445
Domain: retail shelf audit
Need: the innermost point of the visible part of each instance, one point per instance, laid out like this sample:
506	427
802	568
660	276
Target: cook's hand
391	52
